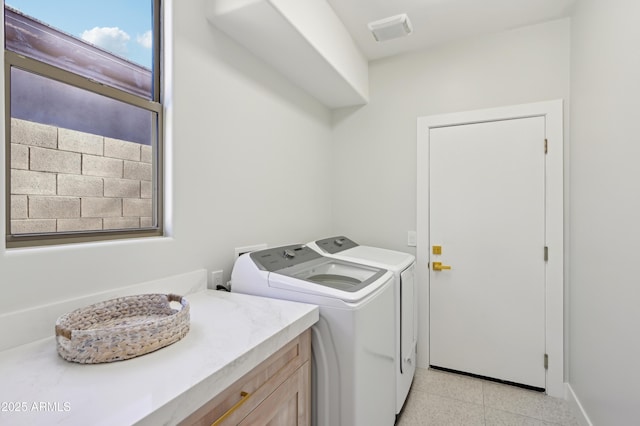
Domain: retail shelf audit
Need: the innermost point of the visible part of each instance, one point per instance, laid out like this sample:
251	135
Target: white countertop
230	334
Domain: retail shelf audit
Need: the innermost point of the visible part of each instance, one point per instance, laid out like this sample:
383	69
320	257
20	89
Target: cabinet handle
243	399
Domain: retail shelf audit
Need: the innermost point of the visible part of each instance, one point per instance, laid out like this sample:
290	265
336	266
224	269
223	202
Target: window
83	120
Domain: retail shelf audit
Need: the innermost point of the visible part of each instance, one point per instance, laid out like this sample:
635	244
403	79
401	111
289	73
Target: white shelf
304	40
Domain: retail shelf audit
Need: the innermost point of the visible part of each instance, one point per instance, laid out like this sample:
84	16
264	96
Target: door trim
554	216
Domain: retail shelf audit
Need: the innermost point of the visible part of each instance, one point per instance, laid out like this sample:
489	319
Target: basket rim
62	330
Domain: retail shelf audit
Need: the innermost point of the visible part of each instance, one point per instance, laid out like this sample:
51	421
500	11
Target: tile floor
442	399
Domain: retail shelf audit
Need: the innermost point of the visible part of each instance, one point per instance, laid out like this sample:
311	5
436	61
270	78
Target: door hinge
546	146
546	361
546	253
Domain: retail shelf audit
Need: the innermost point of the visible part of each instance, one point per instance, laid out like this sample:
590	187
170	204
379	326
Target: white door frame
554	283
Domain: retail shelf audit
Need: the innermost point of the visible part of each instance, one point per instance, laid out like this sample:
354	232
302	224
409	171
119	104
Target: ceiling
440	21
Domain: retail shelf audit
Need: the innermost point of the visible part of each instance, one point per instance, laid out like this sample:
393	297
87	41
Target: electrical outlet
216	279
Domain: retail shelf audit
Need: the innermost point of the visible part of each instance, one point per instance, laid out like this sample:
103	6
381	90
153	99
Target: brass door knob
438	266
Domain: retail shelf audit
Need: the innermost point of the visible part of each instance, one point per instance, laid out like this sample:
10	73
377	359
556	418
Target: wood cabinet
277	392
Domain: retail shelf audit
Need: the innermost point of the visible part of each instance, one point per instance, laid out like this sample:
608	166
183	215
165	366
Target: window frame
154	105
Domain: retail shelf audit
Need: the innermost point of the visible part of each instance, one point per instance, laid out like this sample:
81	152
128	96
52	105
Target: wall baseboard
576	406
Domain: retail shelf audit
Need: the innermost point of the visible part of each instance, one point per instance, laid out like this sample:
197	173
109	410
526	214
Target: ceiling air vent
390	28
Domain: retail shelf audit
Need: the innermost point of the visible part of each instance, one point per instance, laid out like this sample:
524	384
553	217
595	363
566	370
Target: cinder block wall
63	180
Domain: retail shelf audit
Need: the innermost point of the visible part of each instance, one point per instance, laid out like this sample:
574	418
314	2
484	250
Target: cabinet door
236	402
288	405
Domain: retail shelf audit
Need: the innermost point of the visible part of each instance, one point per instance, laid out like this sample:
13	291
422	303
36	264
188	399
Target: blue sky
119	26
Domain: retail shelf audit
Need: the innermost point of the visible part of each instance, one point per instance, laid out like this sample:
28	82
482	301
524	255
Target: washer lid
379	257
315	273
335	273
325	295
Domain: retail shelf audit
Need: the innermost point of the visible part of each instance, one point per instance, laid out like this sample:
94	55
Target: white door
487	215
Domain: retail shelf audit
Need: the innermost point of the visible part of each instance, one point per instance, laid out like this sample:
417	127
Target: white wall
605	207
374	156
248	155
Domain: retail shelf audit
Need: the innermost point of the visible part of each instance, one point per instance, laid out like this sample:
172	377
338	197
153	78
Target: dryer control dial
289	254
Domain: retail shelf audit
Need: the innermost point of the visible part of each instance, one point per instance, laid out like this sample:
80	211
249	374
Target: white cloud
112	39
146	40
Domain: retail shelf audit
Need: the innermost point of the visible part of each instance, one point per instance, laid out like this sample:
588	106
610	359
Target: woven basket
121	328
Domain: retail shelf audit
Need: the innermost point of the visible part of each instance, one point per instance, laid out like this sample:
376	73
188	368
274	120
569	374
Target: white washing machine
403	266
352	343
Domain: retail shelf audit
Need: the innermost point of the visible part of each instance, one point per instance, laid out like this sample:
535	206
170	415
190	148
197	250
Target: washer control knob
288	254
339	242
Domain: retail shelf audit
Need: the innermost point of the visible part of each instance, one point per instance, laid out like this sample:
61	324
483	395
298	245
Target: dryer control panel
335	245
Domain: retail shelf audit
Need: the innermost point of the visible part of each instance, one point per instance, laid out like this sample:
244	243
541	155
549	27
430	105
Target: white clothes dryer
403	266
352	343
